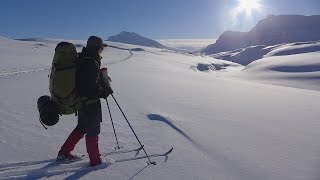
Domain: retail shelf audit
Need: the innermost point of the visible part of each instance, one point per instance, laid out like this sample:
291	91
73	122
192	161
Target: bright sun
248	6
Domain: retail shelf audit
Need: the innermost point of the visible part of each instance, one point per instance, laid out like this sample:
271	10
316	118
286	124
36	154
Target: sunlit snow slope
221	121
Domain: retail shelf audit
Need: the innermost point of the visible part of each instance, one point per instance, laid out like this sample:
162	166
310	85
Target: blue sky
157	19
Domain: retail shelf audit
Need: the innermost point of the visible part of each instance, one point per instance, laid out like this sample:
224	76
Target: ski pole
114	130
151	162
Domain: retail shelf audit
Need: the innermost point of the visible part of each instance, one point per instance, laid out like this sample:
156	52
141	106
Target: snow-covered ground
222	122
299	70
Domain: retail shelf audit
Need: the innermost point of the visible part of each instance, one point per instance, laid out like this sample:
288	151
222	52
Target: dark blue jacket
88	75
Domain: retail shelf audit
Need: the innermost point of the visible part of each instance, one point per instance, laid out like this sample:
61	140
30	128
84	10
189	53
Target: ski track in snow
119	61
5	74
36	169
49	168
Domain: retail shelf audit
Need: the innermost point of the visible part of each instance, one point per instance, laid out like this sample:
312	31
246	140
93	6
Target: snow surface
300	70
222	122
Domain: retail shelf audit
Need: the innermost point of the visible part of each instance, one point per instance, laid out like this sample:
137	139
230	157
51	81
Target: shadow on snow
31	169
157	117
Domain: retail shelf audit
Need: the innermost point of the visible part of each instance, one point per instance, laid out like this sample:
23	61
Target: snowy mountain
135	39
270	31
227	41
224	120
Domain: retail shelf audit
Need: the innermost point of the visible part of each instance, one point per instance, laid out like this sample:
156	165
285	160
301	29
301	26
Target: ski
143	157
104	154
137	150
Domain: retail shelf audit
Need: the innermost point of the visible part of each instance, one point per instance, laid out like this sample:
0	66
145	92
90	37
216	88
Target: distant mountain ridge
136	39
270	31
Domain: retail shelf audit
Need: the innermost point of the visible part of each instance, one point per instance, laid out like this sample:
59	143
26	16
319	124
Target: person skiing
90	88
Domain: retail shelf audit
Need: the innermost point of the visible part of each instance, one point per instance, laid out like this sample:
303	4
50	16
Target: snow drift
249	54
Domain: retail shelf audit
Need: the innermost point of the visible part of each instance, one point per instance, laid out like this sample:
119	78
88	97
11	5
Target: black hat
95	42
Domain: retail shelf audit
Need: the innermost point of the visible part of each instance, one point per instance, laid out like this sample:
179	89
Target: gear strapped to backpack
62	84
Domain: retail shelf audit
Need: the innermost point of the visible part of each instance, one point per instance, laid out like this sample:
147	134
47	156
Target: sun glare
247	6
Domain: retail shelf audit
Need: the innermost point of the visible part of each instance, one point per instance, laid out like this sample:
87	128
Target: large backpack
63	78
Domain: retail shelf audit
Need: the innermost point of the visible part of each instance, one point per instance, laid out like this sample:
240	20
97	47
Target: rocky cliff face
270	31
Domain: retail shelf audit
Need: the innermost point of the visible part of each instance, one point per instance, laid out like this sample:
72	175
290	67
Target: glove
106	92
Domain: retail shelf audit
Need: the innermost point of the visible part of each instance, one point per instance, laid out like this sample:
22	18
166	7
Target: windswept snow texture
244	123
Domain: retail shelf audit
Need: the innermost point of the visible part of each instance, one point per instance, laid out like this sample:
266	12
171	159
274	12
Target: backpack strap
42	123
66	68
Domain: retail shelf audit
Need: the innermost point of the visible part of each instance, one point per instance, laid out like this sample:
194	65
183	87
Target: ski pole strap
42	124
